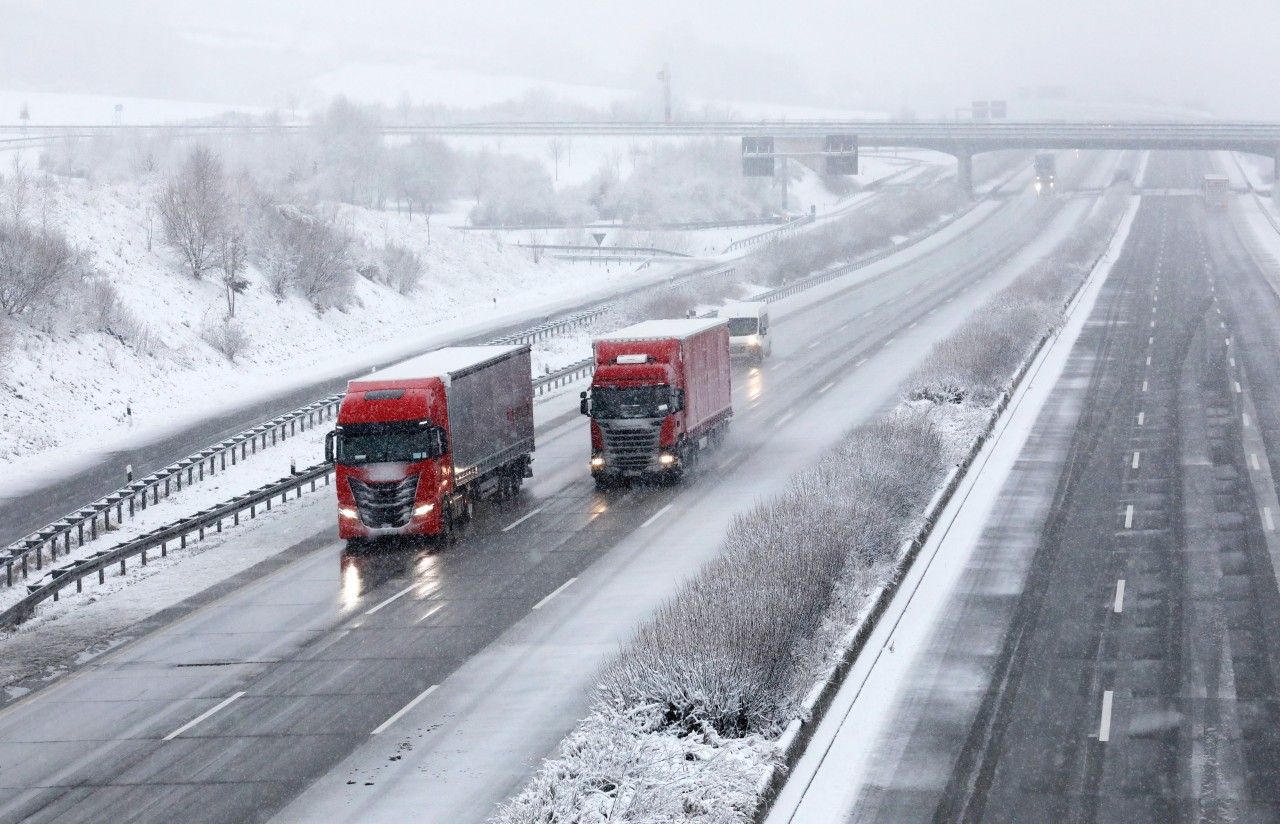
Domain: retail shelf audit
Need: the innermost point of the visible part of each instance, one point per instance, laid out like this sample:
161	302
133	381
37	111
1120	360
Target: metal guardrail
85	523
772	234
593	251
55	580
59	578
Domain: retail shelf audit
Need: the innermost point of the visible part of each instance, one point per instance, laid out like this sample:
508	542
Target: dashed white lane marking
825	388
1119	603
1246	418
1266	516
948	300
931	311
886	343
1142	418
1253	461
398	595
1144	386
1104	727
842	328
859	363
1153	324
1219	308
786	416
1223	324
202	716
1136	457
814	345
914	325
566	584
1238	389
655	516
1228	341
1233	361
1153	310
867	313
521	519
383	726
1148	360
1151	341
1128	517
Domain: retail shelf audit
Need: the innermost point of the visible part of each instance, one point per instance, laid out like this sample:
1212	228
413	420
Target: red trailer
419	443
660	395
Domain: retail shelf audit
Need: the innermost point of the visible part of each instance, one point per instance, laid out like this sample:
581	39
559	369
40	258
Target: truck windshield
743	326
630	401
398	442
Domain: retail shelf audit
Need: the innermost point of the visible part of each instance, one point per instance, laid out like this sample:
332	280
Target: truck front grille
385	505
629	447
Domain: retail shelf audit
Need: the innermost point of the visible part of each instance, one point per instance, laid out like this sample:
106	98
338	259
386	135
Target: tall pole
666	93
784	183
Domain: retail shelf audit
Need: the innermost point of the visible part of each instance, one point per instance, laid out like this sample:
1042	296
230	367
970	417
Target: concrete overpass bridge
962	139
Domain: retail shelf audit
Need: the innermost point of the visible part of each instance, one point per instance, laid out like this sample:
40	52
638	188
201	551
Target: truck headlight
666	459
423	510
753	341
596	461
347	512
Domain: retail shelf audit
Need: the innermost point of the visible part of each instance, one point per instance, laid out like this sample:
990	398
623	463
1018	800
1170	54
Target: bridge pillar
964	173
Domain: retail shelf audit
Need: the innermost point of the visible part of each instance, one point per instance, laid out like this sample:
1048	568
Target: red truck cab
419	443
660	395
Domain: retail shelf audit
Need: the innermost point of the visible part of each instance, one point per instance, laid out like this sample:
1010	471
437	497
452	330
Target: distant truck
1213	189
419	443
1046	170
748	329
660	395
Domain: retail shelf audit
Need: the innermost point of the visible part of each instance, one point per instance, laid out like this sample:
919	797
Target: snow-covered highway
471	662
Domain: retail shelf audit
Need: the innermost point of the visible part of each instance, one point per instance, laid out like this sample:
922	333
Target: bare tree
556	150
35	268
193	210
404	267
19	190
232	257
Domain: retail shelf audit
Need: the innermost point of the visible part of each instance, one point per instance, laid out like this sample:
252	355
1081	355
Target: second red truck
660	395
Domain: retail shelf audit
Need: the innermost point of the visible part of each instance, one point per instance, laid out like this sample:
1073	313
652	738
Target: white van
748	329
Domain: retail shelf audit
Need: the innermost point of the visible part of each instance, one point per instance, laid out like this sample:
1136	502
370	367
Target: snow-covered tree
193	209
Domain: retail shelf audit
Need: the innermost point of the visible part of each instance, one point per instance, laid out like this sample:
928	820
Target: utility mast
665	77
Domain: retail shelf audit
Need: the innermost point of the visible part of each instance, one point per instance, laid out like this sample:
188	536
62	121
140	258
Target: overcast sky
887	54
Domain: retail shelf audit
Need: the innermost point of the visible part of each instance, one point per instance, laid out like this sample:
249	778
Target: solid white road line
554	593
1119	604
1142	418
1266	516
399	594
383	726
202	716
655	516
522	519
1104	728
1128	517
825	388
1136	456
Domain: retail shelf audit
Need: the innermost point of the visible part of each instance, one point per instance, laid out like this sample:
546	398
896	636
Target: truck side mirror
329	444
584	405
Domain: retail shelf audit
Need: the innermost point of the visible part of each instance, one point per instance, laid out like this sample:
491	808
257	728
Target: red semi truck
418	443
659	396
